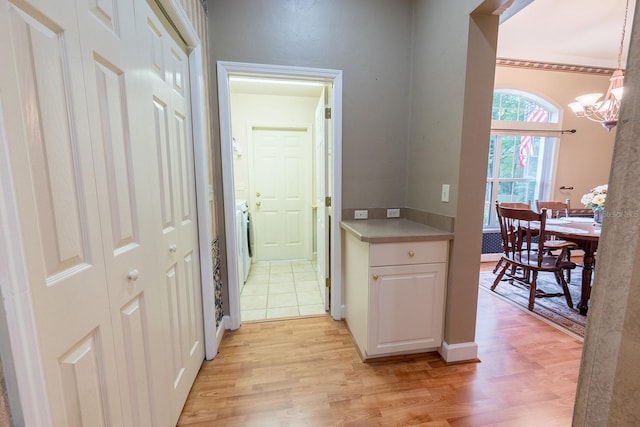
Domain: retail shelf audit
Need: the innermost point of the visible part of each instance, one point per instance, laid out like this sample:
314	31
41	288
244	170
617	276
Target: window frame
548	132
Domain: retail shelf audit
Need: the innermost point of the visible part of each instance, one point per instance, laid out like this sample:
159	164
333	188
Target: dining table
585	233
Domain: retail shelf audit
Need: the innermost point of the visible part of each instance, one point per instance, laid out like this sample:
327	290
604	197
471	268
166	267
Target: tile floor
279	289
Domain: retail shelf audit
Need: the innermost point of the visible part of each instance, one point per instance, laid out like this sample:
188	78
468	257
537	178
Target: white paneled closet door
166	90
124	167
47	133
99	135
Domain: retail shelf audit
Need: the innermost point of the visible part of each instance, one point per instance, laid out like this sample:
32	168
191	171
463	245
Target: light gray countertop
393	230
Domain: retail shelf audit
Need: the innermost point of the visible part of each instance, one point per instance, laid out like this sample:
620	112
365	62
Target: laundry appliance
242	242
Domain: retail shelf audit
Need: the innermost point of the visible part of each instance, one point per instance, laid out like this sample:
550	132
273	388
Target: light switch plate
445	192
361	214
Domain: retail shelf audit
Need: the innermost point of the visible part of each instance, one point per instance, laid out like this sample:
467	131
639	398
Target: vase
598	214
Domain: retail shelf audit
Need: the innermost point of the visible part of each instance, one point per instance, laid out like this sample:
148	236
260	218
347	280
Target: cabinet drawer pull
375	277
411	253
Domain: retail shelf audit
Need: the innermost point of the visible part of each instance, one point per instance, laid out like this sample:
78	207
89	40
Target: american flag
533	113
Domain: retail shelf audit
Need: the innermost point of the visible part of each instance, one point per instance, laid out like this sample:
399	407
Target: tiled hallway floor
279	289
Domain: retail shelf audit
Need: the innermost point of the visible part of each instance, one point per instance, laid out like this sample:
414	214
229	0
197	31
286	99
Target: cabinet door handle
375	277
411	254
258	203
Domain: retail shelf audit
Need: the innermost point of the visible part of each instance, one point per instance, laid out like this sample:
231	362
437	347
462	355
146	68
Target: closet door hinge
327	112
327	201
327	282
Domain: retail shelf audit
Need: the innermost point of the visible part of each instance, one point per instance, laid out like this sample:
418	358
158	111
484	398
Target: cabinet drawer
403	253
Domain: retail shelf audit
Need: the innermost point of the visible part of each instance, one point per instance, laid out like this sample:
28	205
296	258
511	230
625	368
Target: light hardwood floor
306	372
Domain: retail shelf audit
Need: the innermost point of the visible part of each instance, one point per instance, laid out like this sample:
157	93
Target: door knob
411	254
375	277
173	247
133	275
257	194
258	203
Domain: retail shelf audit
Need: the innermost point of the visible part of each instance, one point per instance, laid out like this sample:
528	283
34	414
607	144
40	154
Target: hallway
281	289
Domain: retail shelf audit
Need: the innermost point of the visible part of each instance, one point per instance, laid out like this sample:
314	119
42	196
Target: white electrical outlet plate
445	192
361	214
393	213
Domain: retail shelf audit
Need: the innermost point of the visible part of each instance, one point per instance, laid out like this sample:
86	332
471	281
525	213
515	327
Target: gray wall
453	72
410	68
370	40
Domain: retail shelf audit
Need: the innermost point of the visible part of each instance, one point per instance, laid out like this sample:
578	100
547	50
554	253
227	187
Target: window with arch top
521	150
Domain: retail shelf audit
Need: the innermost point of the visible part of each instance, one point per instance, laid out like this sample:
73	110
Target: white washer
244	261
239	249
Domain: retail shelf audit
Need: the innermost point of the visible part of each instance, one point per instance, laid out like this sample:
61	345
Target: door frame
224	69
24	377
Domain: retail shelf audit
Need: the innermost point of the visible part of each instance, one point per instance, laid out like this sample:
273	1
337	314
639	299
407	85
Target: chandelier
604	111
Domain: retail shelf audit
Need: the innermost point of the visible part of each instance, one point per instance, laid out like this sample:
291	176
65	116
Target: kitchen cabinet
395	294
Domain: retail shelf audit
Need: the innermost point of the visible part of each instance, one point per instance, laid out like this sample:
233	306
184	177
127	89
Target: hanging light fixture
604	111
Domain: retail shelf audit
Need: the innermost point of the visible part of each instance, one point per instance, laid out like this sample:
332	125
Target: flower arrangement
595	198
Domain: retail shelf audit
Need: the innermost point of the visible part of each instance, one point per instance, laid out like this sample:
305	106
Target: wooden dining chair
519	230
556	209
514	205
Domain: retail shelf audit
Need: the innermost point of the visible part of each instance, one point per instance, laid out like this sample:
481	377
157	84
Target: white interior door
123	176
46	126
100	145
170	132
322	235
281	197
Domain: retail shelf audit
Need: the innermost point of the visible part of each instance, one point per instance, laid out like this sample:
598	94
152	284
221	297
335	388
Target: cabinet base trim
467	351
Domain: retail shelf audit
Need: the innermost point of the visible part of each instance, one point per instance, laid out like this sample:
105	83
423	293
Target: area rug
551	310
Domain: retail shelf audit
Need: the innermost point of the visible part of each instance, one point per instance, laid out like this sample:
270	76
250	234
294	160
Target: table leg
587	272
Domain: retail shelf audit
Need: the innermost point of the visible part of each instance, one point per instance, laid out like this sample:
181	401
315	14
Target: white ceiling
574	32
275	86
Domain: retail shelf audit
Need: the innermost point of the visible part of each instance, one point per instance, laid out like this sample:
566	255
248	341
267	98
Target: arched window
521	150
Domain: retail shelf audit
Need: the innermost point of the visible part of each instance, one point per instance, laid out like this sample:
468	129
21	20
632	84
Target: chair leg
500	276
532	289
565	289
498	265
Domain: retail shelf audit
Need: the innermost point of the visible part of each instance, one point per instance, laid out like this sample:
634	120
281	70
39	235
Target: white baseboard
496	257
459	352
489	257
220	332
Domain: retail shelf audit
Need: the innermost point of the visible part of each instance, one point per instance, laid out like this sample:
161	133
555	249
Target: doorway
244	140
275	174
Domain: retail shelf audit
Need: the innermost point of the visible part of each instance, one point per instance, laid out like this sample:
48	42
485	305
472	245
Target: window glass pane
508	157
492	147
525	191
487	203
505	192
518	157
529	155
518	108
